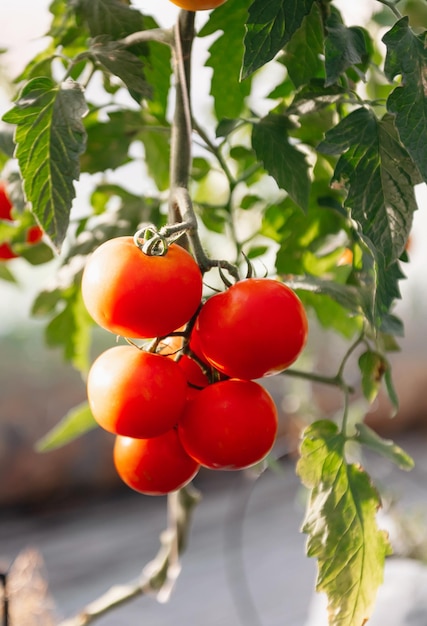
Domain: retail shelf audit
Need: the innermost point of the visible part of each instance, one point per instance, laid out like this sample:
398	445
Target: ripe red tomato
198	5
154	466
196	378
136	393
6	252
256	327
229	425
135	295
5	203
34	234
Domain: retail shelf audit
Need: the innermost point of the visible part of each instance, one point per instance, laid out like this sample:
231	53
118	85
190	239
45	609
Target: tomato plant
136	393
255	328
154	466
134	294
306	168
230	425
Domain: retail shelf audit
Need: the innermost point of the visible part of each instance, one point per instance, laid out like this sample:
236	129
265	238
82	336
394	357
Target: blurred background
69	529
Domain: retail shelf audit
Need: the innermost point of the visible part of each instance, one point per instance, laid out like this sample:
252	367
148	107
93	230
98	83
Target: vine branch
159	575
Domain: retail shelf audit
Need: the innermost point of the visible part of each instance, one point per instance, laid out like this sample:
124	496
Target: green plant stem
334	381
162	35
392	6
160	574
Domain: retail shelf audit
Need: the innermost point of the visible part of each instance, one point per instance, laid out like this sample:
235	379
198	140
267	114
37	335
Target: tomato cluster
191	399
33	234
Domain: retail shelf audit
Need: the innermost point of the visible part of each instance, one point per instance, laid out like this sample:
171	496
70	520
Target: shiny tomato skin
229	425
154	466
135	295
198	5
255	328
135	393
196	378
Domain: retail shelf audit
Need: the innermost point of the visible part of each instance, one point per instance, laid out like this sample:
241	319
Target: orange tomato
198	5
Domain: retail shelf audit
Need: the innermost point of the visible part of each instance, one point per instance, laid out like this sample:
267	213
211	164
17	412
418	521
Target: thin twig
160	574
162	35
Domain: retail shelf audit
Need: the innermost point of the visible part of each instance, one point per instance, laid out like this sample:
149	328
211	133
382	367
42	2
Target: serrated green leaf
123	64
270	25
344	48
225	58
50	137
109	17
304	62
407	56
281	159
341	526
75	423
387	448
379	176
372	367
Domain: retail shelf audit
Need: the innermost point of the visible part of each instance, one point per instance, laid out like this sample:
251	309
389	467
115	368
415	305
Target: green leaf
270	25
109	17
71	329
6	274
345	295
225	58
341	526
117	132
407	56
372	367
281	159
379	176
75	423
304	62
344	48
387	448
157	152
50	137
122	63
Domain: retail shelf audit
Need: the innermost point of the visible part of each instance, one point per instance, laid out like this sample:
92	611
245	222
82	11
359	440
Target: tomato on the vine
229	425
133	294
154	466
255	328
136	393
196	378
198	5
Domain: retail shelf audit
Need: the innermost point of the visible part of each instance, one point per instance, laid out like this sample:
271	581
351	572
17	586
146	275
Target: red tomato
196	378
135	295
6	252
256	327
154	466
229	425
34	234
136	393
5	203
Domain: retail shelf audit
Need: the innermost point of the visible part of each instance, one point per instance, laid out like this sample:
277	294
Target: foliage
312	149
